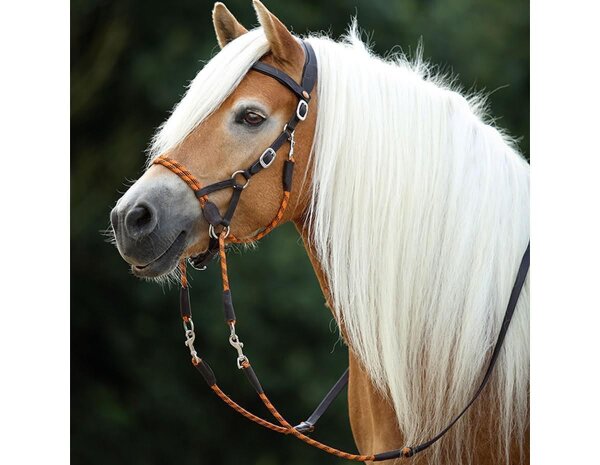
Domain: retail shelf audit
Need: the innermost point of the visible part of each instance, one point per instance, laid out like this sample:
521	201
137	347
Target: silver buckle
302	104
262	161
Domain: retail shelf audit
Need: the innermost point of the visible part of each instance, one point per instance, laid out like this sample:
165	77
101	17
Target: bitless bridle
220	231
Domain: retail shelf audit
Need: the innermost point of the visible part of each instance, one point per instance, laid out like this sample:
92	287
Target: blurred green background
135	399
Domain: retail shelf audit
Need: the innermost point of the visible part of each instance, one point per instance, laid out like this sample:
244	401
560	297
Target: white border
34	331
34	237
565	100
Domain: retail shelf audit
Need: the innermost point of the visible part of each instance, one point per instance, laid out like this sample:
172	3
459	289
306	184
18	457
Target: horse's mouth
165	262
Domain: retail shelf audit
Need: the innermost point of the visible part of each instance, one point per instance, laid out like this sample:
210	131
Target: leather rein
220	232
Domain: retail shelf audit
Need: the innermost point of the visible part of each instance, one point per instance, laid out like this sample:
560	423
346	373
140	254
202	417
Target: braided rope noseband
217	245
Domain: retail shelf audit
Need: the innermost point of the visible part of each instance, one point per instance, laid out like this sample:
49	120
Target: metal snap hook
190	337
238	345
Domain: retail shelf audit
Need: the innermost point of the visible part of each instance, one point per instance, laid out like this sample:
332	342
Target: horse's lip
165	262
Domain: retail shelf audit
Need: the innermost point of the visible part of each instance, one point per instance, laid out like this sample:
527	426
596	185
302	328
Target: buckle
261	160
302	110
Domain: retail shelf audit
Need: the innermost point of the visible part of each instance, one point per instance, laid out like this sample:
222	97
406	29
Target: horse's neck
304	233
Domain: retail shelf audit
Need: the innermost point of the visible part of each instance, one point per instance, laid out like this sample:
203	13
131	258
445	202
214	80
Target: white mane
419	215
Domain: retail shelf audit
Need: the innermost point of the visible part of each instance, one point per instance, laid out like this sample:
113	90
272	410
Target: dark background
135	397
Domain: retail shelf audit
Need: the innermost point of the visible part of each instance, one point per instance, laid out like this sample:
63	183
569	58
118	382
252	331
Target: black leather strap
288	175
282	77
309	74
206	372
251	375
211	213
217	186
308	425
184	302
228	309
233	202
310	71
200	261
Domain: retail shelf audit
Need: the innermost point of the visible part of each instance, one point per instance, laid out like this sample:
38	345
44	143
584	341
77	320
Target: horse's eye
252	118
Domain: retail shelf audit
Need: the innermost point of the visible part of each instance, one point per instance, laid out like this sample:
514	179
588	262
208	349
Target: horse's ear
227	27
284	46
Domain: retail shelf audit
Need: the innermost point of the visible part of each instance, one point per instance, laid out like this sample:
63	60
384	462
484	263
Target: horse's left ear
284	46
226	26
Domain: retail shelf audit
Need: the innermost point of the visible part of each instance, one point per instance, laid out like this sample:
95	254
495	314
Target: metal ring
235	173
302	104
199	268
211	231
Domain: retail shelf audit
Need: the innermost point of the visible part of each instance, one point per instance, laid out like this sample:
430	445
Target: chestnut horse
413	208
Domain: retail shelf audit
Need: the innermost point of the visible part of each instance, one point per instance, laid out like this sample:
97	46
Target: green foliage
135	397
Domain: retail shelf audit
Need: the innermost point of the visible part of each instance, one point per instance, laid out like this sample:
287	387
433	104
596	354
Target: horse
413	208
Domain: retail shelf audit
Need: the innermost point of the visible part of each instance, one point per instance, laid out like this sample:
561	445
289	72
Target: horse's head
159	220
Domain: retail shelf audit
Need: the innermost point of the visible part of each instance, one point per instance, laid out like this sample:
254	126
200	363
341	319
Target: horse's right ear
227	27
284	47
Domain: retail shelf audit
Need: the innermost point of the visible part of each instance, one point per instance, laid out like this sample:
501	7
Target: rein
217	245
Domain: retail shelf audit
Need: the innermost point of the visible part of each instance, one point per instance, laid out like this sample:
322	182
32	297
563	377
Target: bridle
217	245
210	211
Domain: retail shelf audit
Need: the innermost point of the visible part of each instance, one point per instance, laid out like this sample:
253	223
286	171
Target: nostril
141	217
140	221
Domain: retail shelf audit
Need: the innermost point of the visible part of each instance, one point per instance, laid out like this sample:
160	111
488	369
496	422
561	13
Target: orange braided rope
272	225
250	416
183	273
308	440
182	172
223	257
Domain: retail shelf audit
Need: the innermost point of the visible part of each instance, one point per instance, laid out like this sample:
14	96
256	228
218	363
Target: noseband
220	232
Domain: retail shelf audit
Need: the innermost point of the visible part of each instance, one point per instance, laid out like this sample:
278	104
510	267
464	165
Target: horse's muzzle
154	223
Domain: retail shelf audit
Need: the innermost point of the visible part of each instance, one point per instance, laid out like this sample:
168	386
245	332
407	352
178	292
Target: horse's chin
168	261
165	263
